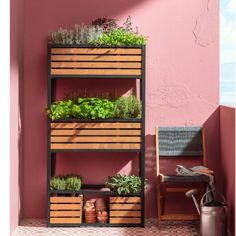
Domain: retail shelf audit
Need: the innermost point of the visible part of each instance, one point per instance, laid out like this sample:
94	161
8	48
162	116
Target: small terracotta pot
90	213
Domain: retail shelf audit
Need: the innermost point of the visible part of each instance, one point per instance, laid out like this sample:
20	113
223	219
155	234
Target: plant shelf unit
98	135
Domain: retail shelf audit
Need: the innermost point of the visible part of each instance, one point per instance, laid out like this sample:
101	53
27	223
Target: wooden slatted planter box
100	61
125	210
66	210
96	135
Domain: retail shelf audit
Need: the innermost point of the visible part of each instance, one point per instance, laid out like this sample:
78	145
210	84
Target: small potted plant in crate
66	208
125	209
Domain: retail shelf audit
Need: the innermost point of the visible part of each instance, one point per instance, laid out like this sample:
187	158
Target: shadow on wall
227	161
212	141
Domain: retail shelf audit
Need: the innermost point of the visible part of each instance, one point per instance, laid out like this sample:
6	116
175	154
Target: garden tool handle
213	191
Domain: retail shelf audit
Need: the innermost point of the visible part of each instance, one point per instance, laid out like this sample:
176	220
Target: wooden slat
65	206
125	206
105	125
125	199
65	199
136	65
125	213
94	58
125	220
95	51
95	146
177	190
95	71
65	213
95	132
180	217
82	139
65	220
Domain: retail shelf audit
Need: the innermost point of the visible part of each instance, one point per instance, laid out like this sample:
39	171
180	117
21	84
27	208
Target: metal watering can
213	220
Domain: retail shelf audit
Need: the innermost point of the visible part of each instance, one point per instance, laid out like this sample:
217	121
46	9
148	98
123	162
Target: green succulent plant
123	184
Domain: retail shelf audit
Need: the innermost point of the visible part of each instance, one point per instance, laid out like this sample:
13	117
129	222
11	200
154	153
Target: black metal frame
51	154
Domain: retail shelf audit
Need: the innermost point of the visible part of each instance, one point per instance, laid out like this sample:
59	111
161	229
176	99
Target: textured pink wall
227	163
181	86
15	74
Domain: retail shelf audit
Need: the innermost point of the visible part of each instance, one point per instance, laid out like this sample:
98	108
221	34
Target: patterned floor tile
34	227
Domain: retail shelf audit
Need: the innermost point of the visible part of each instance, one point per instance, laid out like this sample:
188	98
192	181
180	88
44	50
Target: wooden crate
96	61
66	210
97	135
125	210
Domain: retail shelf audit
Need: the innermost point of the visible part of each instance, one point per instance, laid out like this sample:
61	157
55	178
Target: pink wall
227	136
182	79
15	74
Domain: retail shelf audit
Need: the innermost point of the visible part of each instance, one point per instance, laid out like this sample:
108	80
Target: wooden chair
176	142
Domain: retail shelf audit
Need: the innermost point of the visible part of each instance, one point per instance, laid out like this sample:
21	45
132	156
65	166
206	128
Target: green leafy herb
69	182
101	31
73	182
60	110
57	183
127	107
123	184
94	108
121	37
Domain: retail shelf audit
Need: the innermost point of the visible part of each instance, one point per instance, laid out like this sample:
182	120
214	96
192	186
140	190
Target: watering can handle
222	196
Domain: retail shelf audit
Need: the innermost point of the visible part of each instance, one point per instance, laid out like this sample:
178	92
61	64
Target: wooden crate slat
95	51
82	139
136	65
95	132
125	206
94	58
95	71
65	206
125	200
105	125
125	220
65	220
65	213
66	199
95	146
181	217
125	213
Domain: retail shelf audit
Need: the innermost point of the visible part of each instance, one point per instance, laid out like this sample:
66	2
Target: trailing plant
69	182
127	107
94	108
60	110
121	37
123	184
57	183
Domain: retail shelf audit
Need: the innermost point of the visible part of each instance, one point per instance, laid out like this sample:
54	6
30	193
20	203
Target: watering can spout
191	193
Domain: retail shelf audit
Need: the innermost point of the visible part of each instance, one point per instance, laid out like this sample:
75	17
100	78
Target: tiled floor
38	228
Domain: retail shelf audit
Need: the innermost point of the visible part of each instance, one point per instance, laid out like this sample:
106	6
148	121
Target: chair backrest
179	142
